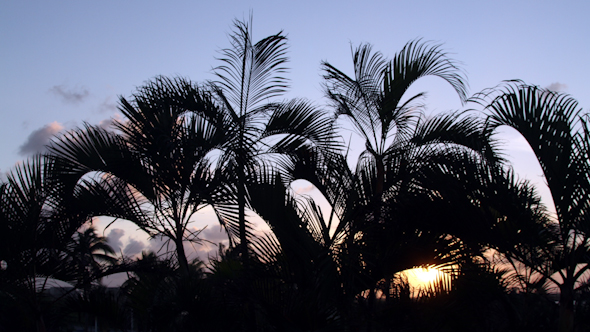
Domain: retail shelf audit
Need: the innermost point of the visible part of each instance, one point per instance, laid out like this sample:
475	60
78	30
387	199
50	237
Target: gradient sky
63	63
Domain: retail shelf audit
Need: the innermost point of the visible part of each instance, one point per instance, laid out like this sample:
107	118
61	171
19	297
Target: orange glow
423	275
423	278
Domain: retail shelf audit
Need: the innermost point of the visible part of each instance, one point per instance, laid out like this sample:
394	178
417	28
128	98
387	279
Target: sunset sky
63	63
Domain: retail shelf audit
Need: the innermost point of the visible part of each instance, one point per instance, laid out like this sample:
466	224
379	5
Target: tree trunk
182	260
380	177
373	237
566	307
242	205
371	309
240	163
39	321
242	216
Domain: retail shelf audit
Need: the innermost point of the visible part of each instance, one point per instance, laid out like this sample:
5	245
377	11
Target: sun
425	275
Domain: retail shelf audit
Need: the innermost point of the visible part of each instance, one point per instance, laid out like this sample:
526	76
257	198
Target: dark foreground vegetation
425	191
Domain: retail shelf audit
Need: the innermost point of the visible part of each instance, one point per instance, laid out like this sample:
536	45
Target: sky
63	63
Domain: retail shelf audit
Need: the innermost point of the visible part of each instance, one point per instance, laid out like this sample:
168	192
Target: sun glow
425	278
424	275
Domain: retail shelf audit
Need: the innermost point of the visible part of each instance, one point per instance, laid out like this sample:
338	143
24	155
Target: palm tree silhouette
30	237
87	253
350	243
88	256
38	216
398	141
157	168
559	134
255	129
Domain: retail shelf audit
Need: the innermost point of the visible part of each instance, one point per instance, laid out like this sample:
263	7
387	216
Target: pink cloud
38	139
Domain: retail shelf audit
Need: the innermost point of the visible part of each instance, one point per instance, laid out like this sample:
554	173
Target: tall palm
398	144
398	140
250	75
29	229
558	132
377	106
157	162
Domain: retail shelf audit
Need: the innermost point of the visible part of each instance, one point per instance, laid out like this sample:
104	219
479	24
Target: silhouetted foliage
425	191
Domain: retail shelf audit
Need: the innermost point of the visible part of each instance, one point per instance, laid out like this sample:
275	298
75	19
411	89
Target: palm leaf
301	124
252	72
546	120
454	129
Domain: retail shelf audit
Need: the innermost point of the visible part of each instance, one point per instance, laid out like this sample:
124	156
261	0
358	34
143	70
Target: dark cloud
72	96
557	87
114	239
39	138
134	247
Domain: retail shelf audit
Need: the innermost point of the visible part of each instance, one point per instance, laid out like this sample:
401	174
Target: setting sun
425	275
423	278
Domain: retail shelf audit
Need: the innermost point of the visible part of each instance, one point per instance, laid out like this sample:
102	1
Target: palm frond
418	59
453	129
94	149
252	72
301	124
374	98
546	120
358	98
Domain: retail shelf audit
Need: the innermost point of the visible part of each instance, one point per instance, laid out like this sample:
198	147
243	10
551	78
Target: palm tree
251	75
399	142
88	255
31	236
316	249
558	132
38	217
157	164
374	103
298	276
445	209
87	252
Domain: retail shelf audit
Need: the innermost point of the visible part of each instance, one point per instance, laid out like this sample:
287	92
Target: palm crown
256	130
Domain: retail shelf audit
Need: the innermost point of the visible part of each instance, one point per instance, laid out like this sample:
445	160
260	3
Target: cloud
114	239
557	87
39	138
160	244
108	124
133	248
305	190
70	96
107	106
207	252
214	234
